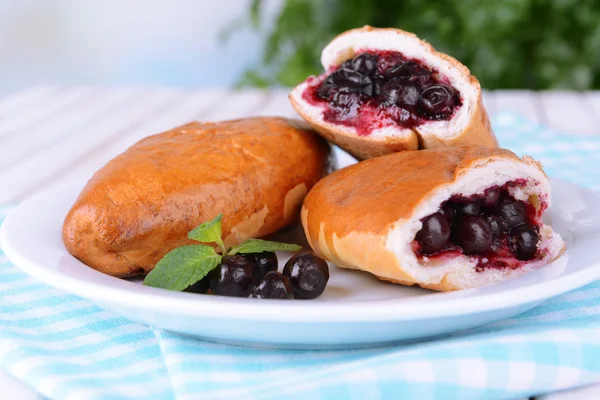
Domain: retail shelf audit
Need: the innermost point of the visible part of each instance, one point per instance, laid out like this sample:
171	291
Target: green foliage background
535	44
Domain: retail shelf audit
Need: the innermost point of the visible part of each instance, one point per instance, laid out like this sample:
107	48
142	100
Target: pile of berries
304	276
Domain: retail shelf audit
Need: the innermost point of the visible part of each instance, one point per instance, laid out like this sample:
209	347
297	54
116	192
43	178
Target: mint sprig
186	265
259	245
209	232
183	267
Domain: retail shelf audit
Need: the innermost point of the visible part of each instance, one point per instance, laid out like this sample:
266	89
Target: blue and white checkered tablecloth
67	348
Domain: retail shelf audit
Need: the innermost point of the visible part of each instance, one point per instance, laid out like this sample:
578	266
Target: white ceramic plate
356	309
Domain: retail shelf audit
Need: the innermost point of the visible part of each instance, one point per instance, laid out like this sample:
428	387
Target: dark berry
470	208
523	241
472	233
496	224
408	95
233	277
407	70
364	63
263	263
369	90
402	93
326	89
274	286
434	234
491	197
448	211
388	61
308	275
345	105
389	93
201	286
378	83
512	211
403	116
437	101
329	86
354	81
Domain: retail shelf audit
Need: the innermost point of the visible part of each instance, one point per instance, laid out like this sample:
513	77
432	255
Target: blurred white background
133	42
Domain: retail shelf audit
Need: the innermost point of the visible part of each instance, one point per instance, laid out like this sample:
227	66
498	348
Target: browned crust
348	214
141	204
477	132
369	196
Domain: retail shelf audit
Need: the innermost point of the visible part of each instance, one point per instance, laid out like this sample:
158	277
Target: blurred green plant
534	44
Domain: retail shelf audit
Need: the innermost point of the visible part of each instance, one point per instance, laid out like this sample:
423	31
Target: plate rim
154	299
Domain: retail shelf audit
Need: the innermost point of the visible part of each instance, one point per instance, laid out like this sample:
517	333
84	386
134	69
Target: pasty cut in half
444	219
385	90
141	204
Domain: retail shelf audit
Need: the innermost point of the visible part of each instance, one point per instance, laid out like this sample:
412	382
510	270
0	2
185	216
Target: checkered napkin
67	348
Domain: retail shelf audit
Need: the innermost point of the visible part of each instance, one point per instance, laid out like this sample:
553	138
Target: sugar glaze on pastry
370	216
385	90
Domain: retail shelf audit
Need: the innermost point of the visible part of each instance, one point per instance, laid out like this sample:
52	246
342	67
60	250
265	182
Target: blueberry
325	91
344	104
523	241
491	197
308	275
351	77
201	286
400	92
472	233
408	95
263	263
378	83
496	224
389	93
407	70
370	89
233	277
387	62
470	208
274	286
364	63
437	101
448	211
329	86
403	116
512	212
354	81
434	234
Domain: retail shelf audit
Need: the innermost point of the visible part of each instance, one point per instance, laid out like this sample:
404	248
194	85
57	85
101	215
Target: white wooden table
51	135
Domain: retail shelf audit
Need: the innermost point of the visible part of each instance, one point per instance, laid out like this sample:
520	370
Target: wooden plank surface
51	135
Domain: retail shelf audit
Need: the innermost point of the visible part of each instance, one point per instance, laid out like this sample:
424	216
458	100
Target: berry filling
494	227
377	89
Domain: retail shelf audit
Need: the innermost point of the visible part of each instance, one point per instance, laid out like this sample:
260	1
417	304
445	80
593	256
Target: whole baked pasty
384	91
444	219
141	204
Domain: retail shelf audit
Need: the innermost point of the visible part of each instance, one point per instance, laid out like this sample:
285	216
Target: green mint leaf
259	245
183	267
209	232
